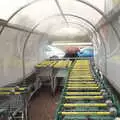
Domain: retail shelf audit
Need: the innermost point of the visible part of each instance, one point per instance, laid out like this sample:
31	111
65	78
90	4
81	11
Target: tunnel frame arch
26	40
84	2
81	1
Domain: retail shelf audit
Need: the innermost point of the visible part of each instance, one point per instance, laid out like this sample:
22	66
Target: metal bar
86	113
81	79
82	88
83	97
81	82
83	93
9	93
81	85
61	12
21	29
16	13
13	88
86	105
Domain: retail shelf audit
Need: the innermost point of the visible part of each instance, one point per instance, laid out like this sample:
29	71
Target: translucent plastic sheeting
57	20
8	7
53	23
32	53
80	9
43	43
41	9
113	60
11	45
34	13
78	20
110	4
112	45
98	3
49	23
73	30
100	58
113	70
11	48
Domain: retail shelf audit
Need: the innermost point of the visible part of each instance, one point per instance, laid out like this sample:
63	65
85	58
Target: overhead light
76	44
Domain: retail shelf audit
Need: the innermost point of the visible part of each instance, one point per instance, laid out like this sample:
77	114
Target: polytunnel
80	87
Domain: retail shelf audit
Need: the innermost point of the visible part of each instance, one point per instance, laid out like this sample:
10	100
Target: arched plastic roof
33	12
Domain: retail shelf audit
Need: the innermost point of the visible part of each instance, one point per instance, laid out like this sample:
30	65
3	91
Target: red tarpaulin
72	49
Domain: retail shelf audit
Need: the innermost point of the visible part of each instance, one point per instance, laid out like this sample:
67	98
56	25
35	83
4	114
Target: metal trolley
12	103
